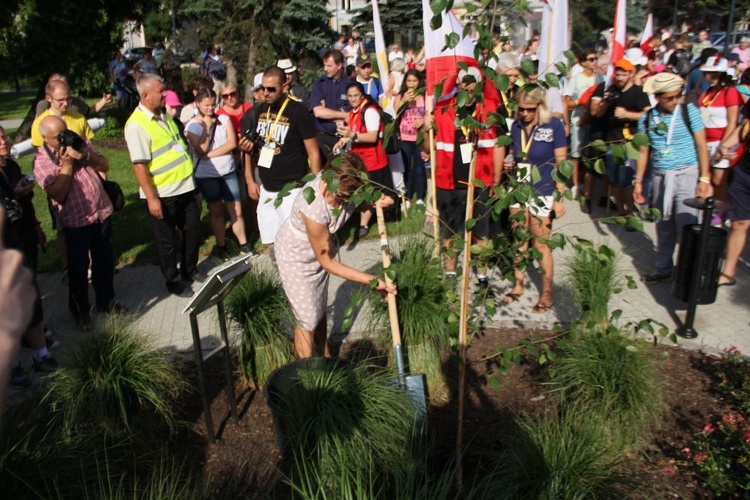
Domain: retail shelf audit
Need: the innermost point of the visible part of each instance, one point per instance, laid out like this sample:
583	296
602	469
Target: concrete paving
720	325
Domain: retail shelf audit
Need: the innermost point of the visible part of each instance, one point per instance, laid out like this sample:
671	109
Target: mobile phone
30	177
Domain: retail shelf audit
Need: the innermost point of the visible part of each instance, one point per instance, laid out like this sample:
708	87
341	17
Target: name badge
178	147
665	152
467	149
266	155
523	172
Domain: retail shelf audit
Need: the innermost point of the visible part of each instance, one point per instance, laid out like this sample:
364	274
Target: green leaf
527	67
374	283
599	167
562	68
348	311
569	55
452	39
494	381
308	194
535	175
618	153
336	212
503	140
631	152
346	324
470	224
566	168
391	273
436	22
477	249
552	80
599	145
502	82
632	285
631	348
640	139
310	176
636	223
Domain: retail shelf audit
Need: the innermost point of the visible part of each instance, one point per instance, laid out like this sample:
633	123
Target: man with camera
620	107
283	132
164	171
66	167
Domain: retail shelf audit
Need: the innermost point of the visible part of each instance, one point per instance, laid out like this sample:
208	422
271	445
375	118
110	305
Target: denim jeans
414	167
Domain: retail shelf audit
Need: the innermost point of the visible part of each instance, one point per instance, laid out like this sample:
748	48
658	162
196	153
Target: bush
115	382
259	304
594	277
345	428
422	312
607	374
559	455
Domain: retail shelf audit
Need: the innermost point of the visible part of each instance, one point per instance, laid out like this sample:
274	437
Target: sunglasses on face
270	90
230	94
591	59
526	110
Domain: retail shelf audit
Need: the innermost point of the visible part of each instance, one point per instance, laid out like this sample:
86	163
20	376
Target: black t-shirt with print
633	99
295	125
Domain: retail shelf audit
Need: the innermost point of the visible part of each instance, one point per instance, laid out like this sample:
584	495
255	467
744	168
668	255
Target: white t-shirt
217	166
351	52
394	55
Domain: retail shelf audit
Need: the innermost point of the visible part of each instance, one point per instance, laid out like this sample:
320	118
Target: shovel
414	384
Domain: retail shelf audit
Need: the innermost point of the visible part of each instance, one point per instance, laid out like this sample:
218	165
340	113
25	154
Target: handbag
115	194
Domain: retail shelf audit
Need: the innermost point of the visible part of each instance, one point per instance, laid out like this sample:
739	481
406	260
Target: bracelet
354	137
704	180
638	178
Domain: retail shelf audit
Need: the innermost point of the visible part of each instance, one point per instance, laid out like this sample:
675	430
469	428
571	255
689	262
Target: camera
254	137
14	216
70	139
612	96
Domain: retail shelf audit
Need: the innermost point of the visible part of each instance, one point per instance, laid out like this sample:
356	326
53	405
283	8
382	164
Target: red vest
372	153
445	116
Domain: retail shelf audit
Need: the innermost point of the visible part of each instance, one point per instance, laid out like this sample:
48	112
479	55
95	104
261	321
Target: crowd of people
223	150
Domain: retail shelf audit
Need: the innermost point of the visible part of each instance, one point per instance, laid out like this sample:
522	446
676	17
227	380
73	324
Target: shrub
594	277
115	382
606	373
558	455
423	313
344	428
735	379
259	304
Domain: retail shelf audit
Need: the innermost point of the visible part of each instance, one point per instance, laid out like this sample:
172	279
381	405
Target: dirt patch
247	450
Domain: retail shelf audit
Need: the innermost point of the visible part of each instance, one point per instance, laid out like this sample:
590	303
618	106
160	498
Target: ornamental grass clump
607	373
565	454
258	303
344	427
594	277
115	382
423	311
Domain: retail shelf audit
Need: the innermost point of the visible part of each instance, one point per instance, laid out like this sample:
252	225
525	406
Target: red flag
619	38
648	35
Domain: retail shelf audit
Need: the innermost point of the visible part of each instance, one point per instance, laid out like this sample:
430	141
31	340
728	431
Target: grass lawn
13	105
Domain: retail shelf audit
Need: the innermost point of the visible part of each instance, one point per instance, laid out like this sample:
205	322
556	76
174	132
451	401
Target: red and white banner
442	62
619	38
648	35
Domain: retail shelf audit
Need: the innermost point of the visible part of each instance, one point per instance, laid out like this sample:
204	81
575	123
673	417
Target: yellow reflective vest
170	163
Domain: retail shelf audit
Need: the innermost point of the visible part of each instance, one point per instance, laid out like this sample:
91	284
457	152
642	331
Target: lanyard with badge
467	148
668	151
269	149
524	168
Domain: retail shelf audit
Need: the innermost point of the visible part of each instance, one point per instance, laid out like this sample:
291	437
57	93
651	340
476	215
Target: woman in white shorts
538	140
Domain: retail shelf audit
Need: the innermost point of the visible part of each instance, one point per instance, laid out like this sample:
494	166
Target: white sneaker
420	202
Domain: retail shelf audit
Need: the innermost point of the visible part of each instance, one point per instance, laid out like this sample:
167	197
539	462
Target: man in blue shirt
328	101
371	84
681	170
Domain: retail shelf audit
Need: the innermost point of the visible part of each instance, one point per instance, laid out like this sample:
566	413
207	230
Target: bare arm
253	189
228	146
704	188
329	114
498	159
313	154
640	170
733	113
559	206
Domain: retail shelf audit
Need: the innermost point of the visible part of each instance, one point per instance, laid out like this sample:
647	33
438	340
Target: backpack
683	65
391	143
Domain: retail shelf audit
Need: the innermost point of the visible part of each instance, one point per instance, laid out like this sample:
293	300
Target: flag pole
433	190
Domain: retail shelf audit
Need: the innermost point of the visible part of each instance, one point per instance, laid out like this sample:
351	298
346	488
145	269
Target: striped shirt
680	152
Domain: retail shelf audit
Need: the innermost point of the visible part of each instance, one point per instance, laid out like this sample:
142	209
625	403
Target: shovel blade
415	387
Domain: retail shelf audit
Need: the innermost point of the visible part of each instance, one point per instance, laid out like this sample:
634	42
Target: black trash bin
688	263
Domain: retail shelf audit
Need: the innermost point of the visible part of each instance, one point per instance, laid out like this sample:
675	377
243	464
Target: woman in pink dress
305	249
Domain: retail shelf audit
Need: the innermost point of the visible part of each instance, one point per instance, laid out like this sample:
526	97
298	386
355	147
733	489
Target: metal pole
674	19
227	359
730	29
687	331
202	376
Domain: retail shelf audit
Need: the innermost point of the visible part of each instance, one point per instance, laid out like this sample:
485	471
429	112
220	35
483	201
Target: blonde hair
536	96
227	84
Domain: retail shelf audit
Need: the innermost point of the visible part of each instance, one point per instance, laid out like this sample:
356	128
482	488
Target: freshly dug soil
247	452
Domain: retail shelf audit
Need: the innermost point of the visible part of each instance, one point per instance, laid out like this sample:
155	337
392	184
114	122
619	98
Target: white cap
636	57
257	81
717	64
286	65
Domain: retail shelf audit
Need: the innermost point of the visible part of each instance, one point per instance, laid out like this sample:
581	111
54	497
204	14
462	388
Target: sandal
541	309
511	297
730	280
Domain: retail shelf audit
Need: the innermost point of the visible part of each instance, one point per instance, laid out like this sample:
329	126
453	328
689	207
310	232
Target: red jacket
372	153
445	117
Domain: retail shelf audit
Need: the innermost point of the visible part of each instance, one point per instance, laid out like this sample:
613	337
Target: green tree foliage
255	33
72	37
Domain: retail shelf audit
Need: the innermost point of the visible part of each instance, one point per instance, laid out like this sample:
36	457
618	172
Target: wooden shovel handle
392	310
